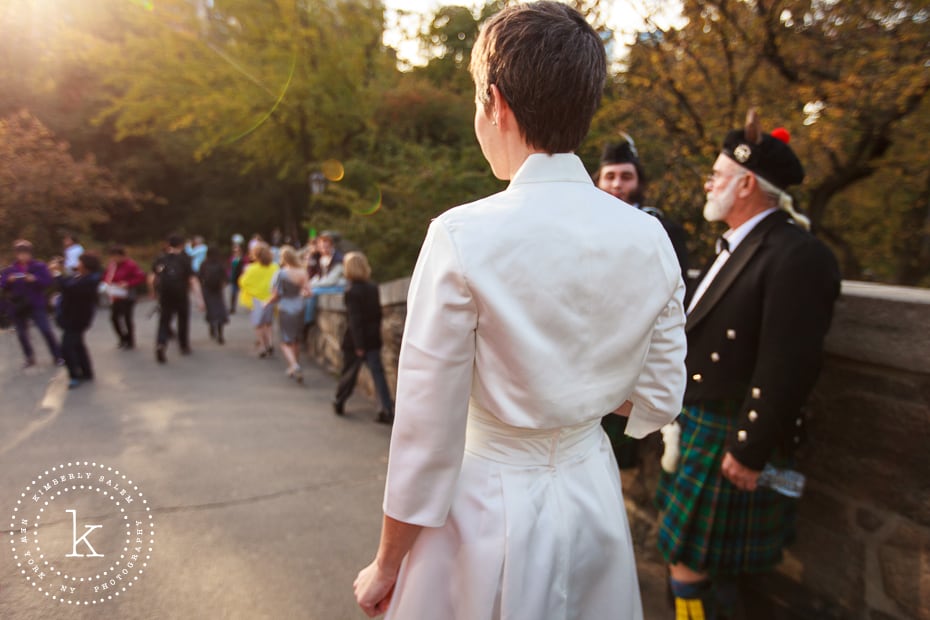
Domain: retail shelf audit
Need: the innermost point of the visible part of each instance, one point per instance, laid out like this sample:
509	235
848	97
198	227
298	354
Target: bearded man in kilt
756	325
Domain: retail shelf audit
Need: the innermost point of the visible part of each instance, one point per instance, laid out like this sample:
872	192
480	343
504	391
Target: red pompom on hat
780	133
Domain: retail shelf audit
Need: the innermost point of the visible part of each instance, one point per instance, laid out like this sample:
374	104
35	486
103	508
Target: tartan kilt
708	524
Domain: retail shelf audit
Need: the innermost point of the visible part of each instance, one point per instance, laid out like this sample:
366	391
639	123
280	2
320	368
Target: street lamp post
317	182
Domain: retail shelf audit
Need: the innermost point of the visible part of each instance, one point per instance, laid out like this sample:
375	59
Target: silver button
715	357
731	334
798	422
697	378
756	393
797	440
753	416
741	436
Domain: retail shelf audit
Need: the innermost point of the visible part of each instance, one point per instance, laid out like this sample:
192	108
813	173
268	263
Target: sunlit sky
626	17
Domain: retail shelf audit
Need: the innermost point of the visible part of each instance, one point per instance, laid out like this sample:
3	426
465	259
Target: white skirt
537	531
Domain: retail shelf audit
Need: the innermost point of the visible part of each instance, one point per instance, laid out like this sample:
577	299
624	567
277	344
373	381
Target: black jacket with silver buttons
756	335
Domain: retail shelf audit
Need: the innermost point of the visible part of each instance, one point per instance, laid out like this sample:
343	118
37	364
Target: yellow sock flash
689	609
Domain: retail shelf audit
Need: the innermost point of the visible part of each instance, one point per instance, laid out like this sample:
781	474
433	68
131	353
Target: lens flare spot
148	5
333	170
370	205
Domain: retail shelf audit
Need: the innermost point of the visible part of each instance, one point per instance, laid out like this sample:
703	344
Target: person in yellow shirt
255	289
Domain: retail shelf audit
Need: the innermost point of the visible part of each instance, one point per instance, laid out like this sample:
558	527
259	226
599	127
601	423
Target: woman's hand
374	589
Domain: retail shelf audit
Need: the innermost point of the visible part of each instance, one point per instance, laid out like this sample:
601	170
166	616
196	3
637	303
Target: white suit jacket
548	304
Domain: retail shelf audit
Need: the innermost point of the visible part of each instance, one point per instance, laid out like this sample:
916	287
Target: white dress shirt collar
734	237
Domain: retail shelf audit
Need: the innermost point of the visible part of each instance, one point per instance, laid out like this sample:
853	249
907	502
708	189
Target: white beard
718	206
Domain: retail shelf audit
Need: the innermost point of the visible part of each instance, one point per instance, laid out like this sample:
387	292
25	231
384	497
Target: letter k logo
82	539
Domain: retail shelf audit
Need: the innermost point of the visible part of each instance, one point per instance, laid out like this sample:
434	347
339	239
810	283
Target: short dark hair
175	241
117	250
90	261
549	65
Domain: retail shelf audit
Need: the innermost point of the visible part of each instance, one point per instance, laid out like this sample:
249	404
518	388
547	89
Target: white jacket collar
542	168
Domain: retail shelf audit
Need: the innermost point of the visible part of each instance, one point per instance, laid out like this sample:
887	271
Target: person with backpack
212	276
172	279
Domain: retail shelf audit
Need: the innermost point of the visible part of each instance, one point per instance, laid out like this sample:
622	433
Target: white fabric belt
488	437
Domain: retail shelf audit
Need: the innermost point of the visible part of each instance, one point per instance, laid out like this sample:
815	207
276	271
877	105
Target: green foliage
415	183
416	111
224	109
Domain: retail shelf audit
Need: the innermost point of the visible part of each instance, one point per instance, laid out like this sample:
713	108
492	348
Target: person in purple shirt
24	284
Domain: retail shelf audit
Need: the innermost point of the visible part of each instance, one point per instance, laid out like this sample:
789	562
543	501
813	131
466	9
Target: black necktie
722	245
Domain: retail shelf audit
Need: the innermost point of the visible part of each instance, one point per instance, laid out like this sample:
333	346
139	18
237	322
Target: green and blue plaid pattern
708	524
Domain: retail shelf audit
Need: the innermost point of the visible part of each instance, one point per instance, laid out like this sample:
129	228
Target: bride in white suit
503	499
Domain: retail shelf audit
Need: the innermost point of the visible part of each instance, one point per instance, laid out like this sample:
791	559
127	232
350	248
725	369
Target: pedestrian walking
75	313
291	288
212	277
72	251
25	284
255	289
121	279
237	262
361	343
172	281
197	250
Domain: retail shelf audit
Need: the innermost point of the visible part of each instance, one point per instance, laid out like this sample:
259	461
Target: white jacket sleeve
659	392
433	385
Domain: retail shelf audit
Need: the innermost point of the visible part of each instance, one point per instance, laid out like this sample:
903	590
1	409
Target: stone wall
863	547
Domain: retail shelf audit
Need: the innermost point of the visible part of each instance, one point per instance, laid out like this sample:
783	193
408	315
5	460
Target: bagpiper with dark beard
756	326
621	174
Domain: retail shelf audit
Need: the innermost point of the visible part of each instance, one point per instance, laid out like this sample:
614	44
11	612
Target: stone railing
863	546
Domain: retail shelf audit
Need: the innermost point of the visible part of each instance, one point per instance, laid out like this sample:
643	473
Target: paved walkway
265	504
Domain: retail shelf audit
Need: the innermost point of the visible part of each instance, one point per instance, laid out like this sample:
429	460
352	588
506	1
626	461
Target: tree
281	85
845	104
44	190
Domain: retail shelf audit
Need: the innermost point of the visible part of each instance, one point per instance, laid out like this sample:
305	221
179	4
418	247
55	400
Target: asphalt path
264	503
247	497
